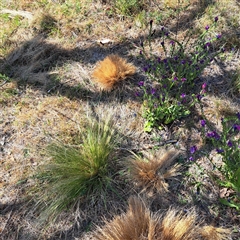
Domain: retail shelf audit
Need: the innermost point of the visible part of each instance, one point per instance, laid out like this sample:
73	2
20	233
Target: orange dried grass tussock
138	223
152	171
111	70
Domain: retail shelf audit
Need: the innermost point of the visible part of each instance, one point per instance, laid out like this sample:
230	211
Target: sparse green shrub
169	94
129	7
78	173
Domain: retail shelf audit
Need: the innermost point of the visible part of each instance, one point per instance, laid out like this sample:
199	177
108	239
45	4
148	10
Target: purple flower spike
207	27
213	134
137	94
203	122
216	19
191	158
153	91
199	97
204	86
151	22
207	44
162	43
193	149
219	150
238	115
141	83
236	127
229	143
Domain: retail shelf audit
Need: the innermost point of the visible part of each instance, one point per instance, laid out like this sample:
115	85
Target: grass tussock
112	70
152	171
75	174
138	223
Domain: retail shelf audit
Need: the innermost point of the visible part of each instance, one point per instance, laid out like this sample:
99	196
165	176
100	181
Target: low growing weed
226	144
78	173
174	74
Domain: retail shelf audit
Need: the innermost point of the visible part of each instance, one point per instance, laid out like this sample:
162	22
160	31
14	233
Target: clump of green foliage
226	144
169	95
78	173
129	7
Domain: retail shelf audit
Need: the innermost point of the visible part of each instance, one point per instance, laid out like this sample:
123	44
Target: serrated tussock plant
78	173
139	223
152	171
169	94
112	70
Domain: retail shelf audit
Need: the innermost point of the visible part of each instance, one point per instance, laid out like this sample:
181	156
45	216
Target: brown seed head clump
152	171
111	70
139	223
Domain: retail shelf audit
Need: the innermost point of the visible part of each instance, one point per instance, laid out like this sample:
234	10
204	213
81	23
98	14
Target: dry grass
48	59
112	70
138	223
152	171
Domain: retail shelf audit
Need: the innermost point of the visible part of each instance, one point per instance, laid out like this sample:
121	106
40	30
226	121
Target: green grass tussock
75	174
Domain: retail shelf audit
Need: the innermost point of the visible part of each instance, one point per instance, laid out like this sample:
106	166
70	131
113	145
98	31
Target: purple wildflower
166	34
141	83
175	78
199	97
216	19
193	149
159	60
207	27
213	134
183	62
183	95
204	86
218	36
207	44
162	43
145	69
183	79
191	158
229	143
172	42
219	150
153	91
151	22
238	115
137	94
140	52
236	127
203	122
